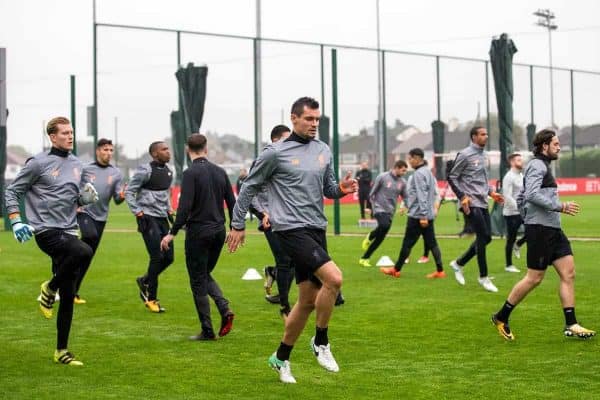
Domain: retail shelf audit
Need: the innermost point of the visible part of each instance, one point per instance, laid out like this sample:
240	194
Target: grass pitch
394	338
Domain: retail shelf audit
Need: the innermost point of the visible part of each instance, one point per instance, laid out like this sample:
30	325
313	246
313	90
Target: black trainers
203	336
340	299
269	279
272	298
143	288
226	324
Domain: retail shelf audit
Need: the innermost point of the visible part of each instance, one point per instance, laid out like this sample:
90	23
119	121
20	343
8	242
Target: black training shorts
544	245
308	250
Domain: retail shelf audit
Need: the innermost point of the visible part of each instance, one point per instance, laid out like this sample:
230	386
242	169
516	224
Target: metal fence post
573	169
487	103
437	81
335	138
383	115
73	122
322	80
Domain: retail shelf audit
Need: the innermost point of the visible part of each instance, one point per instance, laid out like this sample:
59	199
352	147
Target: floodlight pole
545	17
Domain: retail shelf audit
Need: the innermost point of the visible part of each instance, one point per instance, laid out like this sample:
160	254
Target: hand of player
21	231
424	223
402	210
497	197
570	208
166	240
349	184
122	192
266	223
436	209
465	204
88	195
235	239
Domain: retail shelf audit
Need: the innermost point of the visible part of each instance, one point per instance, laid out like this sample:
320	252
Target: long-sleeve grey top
468	176
512	183
299	173
50	183
385	191
148	191
538	200
421	193
108	182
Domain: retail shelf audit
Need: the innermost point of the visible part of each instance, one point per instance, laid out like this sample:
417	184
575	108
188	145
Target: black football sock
321	338
283	352
570	318
504	312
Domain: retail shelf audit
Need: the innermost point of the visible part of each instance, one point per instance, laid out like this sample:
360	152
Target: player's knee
306	305
534	279
568	275
167	258
85	252
91	237
334	281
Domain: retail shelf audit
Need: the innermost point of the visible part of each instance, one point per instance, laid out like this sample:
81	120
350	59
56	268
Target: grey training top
260	202
298	172
385	191
50	182
469	177
108	182
538	200
511	186
151	202
422	193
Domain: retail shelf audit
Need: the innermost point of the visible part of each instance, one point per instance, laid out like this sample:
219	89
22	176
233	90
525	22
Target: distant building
14	164
587	136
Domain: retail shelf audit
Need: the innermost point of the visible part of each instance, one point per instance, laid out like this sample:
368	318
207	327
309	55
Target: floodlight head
544	13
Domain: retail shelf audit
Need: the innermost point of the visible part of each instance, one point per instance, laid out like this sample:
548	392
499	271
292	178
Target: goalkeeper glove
88	195
22	232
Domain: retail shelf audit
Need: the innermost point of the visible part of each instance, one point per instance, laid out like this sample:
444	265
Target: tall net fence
137	92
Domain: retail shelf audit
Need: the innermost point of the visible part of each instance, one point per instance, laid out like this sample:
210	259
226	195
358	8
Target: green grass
394	338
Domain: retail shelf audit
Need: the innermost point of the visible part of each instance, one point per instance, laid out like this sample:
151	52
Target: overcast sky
48	40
